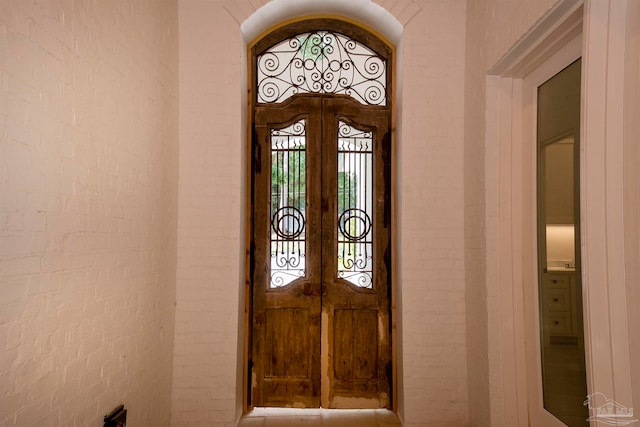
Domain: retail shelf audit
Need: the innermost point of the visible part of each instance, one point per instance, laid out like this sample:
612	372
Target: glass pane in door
559	277
355	205
288	204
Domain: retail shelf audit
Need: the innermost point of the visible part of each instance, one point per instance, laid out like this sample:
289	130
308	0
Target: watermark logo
607	411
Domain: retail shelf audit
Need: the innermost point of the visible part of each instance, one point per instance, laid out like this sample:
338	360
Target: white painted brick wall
210	217
88	210
431	253
493	26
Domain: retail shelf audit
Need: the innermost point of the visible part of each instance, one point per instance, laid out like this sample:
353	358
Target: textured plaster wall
88	210
430	213
492	27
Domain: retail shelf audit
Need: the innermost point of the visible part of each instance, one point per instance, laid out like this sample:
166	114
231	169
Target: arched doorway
320	262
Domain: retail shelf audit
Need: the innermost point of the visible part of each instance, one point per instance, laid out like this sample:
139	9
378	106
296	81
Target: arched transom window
322	61
332	58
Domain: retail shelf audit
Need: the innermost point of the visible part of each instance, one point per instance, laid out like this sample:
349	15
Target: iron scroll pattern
288	204
321	62
355	206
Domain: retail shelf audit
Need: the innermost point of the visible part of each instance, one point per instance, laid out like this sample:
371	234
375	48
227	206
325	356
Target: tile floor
285	417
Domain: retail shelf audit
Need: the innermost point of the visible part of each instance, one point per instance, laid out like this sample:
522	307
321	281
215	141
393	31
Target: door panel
355	267
355	345
286	313
286	344
320	267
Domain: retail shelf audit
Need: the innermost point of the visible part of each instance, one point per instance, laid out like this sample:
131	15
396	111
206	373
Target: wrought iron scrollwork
288	222
354	224
321	62
296	129
352	139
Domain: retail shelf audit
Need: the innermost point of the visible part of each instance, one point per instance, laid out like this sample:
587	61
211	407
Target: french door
320	262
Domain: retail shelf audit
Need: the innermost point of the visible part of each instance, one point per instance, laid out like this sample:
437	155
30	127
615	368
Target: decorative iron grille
288	204
321	62
355	205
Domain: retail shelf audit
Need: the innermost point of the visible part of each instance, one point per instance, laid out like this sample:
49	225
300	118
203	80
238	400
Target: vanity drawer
557	281
558	299
559	323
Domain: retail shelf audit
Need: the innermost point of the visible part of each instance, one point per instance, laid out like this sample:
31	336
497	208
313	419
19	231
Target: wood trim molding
560	25
603	201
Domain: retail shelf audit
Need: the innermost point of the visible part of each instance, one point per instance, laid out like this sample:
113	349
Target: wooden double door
320	264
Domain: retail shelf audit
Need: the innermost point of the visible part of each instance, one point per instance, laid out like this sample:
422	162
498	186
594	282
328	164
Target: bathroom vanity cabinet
560	307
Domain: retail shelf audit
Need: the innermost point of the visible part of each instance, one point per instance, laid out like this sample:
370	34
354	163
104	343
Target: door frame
249	105
601	192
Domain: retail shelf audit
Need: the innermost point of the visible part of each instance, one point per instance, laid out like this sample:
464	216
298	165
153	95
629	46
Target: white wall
632	188
210	227
431	217
430	213
88	210
492	27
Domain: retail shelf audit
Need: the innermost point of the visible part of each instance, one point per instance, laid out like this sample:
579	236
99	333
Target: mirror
559	278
